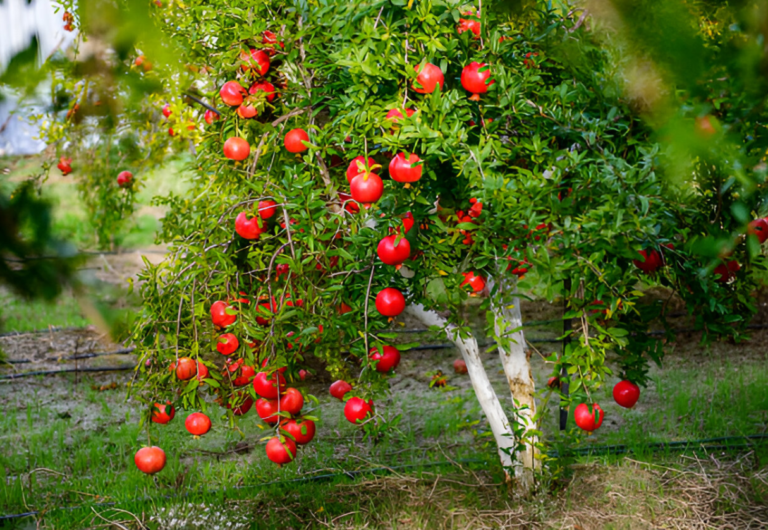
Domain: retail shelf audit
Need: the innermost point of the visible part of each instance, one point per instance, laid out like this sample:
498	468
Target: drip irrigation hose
597	450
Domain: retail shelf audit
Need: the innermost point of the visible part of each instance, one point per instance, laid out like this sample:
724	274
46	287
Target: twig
115	523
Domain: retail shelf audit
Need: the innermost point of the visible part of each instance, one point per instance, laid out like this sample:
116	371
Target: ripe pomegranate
272	308
387	360
232	93
408	222
476	283
142	61
125	179
475	79
651	261
344	309
270	39
553	382
150	460
198	424
211	116
244	407
65	165
626	394
266	385
256	60
186	369
267	410
303	374
222	314
357	410
726	271
757	228
281	450
202	371
163	413
406	170
395	115
236	148
247	111
339	389
469	25
227	344
587	417
358	167
167	110
267	208
282	369
392	254
294	141
367	189
245	374
263	86
428	78
390	302
302	431
248	227
459	366
349	203
291	401
170	132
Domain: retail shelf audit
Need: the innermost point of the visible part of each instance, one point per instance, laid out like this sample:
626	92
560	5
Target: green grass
20	314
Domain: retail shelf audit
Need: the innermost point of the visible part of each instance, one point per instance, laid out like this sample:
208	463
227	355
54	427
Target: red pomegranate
247	111
265	87
255	60
428	78
65	165
267	208
248	227
222	314
390	302
651	261
726	271
236	148
227	344
358	167
267	410
210	116
270	39
367	189
186	369
125	179
266	385
302	431
150	460
294	141
202	371
403	169
244	407
469	25
339	389
387	360
232	93
476	78
245	374
626	393
758	228
459	366
392	254
476	283
587	417
291	401
395	115
167	110
349	203
163	413
281	450
198	424
357	410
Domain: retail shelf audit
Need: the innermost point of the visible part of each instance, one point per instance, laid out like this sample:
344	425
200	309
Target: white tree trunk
485	394
508	322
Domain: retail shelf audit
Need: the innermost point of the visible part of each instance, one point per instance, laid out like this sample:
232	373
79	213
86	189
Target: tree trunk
508	322
490	404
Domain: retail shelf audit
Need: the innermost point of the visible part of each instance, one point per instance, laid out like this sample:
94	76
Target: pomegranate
210	116
270	39
387	360
392	254
357	409
65	165
267	410
726	271
459	366
339	389
757	228
651	261
266	385
222	314
626	393
303	374
476	78
244	407
267	208
281	450
125	179
202	371
266	306
367	189
406	170
588	418
186	369
553	382
469	25
428	78
236	148
348	202
163	413
390	302
167	110
263	86
245	374
150	460
247	111
302	431
476	283
294	141
395	115
248	227
198	424
255	60
227	344
232	93
358	167
291	401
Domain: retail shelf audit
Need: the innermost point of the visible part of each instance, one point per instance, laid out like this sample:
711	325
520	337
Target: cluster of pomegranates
589	417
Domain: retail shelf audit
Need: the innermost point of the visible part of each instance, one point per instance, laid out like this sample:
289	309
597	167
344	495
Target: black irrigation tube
124	351
68	371
597	450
